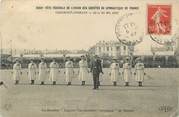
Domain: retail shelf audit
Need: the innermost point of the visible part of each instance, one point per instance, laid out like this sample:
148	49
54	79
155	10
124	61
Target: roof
53	55
47	55
74	55
31	55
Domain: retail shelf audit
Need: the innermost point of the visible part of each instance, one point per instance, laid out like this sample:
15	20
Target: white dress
127	72
69	71
32	71
83	72
139	70
54	69
16	71
42	71
114	72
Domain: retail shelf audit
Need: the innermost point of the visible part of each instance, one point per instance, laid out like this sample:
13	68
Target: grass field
157	98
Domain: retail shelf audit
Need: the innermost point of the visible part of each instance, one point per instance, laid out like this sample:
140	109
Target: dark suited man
96	69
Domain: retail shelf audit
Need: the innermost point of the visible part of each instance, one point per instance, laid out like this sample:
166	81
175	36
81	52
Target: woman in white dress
127	73
54	70
32	71
42	71
139	71
17	72
83	70
114	73
69	72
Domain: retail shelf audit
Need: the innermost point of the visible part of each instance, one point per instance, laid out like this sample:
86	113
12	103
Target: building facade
113	49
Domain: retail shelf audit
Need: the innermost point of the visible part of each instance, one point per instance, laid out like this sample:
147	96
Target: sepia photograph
89	58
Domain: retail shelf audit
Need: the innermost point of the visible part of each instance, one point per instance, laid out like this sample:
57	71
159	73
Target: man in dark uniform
96	69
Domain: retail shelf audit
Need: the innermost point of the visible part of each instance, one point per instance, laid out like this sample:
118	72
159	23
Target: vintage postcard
89	58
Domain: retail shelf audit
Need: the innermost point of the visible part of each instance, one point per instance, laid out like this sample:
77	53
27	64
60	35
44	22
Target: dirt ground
157	98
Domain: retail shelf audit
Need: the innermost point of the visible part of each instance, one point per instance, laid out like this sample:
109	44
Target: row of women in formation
53	71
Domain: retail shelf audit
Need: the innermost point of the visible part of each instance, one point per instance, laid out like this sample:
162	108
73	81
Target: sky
30	28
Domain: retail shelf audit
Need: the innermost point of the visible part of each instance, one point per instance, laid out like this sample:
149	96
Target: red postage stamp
159	19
